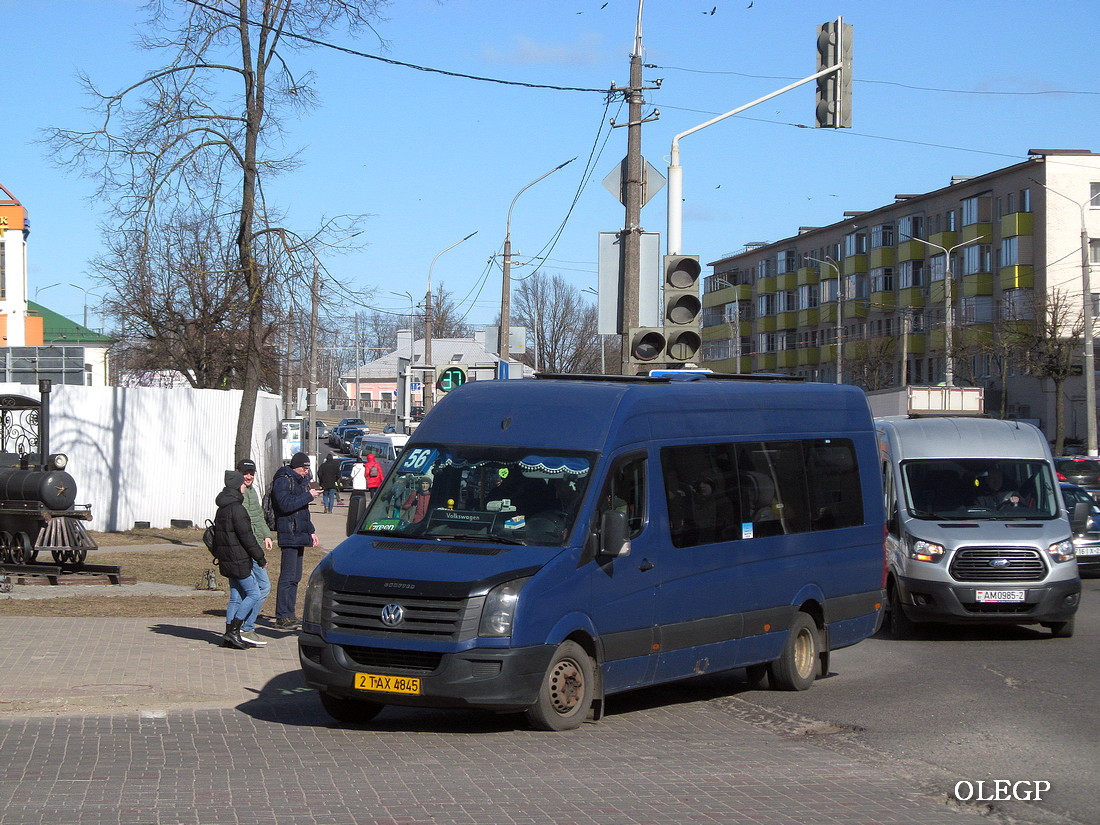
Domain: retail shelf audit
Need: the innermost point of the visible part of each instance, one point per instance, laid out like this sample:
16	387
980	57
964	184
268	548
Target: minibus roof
581	412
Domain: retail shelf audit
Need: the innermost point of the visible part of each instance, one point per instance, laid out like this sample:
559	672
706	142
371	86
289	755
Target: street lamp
1086	309
315	301
949	304
829	262
43	288
412	346
603	348
85	291
506	288
428	321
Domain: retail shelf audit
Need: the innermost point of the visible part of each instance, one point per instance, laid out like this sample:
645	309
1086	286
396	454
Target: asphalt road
972	704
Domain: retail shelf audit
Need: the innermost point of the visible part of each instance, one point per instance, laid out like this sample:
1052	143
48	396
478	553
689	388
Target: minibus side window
702	494
625	491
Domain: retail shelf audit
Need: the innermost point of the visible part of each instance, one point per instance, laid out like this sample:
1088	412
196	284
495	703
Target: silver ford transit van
975	527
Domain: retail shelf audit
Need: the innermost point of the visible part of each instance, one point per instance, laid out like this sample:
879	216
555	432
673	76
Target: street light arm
508	223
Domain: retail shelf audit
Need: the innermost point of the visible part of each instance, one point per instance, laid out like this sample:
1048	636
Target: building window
882	236
911	227
1094	250
766	342
765	268
936	267
977	309
786	261
950	221
1094	194
808	296
1018	305
976	209
855	243
1010	251
765	305
911	273
1025	200
828	290
855	286
976	258
882	279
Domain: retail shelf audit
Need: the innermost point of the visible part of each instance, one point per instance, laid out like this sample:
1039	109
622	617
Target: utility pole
429	377
632	229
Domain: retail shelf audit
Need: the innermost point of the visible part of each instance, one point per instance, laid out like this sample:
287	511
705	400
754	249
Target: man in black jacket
292	496
328	474
235	547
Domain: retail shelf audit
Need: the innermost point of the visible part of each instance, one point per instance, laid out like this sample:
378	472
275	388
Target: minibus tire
899	625
566	692
1060	630
796	668
349	711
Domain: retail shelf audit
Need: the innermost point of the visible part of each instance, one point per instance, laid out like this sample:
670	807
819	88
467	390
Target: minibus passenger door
623	578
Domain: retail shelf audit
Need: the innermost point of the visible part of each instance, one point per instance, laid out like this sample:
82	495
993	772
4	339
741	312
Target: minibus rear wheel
796	668
567	689
349	711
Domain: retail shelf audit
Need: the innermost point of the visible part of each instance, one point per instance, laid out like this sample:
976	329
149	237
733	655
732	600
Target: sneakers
249	637
287	622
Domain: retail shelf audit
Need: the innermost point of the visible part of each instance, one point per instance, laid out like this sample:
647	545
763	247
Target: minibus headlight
1062	551
500	609
315	597
922	550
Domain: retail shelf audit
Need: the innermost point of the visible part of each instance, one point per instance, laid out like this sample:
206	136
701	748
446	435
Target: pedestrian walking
358	498
373	471
291	495
328	474
265	537
236	548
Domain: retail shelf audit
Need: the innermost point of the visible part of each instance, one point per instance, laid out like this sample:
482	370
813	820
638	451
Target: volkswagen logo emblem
393	614
999	562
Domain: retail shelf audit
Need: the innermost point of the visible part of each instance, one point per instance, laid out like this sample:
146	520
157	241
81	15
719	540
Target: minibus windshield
508	495
980	488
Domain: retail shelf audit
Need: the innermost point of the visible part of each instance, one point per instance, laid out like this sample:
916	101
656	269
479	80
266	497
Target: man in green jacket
264	537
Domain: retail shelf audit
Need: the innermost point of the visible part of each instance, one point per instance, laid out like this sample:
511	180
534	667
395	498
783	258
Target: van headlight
1062	551
500	609
922	550
315	597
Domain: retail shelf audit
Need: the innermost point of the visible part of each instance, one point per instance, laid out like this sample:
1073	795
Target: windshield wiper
490	538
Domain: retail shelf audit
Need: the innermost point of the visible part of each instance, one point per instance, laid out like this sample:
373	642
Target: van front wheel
796	668
565	695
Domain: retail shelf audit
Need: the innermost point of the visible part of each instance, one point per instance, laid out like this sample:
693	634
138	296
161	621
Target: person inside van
415	507
997	494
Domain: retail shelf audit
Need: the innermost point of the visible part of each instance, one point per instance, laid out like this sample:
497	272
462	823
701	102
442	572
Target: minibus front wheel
567	690
796	668
349	711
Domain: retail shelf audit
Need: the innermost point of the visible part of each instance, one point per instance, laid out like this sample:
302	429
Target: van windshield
980	488
481	493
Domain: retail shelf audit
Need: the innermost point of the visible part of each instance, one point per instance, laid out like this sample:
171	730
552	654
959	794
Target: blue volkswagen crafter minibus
544	543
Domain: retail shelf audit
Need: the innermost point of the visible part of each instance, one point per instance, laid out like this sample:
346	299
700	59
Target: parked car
343	481
351	422
1084	471
1087	543
340	436
416	413
348	435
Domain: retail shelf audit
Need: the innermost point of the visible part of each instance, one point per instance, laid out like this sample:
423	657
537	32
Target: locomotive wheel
22	551
58	556
5	547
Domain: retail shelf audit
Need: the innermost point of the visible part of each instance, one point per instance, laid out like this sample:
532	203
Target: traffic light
647	345
682	308
834	90
451	378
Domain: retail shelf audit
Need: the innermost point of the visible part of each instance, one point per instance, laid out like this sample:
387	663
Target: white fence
152	455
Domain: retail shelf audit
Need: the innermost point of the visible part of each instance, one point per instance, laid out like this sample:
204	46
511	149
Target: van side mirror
1080	520
614	534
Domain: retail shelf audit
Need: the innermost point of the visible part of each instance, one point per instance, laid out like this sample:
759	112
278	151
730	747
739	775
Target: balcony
787	359
1017	277
911	297
914	343
855	309
809	356
884	300
1018	223
979	284
788	280
808	318
765	324
808	275
945	239
884	256
855	265
787	320
978	230
912	251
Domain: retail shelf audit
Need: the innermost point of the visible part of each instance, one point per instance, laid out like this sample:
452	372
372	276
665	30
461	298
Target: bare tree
872	363
198	135
561	324
1051	345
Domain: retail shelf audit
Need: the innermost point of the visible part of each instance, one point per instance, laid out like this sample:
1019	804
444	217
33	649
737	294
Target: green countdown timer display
450	378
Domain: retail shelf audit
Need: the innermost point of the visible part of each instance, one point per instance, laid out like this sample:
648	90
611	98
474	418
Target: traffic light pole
676	172
632	231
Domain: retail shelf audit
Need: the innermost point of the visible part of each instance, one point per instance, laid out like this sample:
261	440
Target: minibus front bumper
937	601
496	679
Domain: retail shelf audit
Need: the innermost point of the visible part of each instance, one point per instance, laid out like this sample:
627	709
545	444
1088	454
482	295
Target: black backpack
208	538
269	510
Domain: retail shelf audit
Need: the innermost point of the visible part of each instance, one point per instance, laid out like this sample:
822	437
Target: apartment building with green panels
874	284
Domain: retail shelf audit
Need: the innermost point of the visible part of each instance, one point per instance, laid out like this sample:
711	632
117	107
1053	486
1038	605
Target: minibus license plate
989	596
387	684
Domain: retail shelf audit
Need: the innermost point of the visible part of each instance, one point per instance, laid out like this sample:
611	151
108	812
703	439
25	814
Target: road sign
415	386
652	181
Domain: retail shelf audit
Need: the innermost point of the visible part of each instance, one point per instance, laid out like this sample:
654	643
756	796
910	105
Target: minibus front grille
407	661
425	618
996	564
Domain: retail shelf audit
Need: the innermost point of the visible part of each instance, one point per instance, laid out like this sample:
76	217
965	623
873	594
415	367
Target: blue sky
941	89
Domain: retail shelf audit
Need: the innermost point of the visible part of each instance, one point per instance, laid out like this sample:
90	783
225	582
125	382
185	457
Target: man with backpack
264	537
291	495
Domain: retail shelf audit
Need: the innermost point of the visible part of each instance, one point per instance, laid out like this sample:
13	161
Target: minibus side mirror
1080	520
614	534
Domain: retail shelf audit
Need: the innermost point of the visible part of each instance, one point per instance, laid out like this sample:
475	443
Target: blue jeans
263	582
290	573
328	498
247	592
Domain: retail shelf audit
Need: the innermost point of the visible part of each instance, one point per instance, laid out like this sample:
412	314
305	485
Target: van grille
436	619
984	564
407	661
